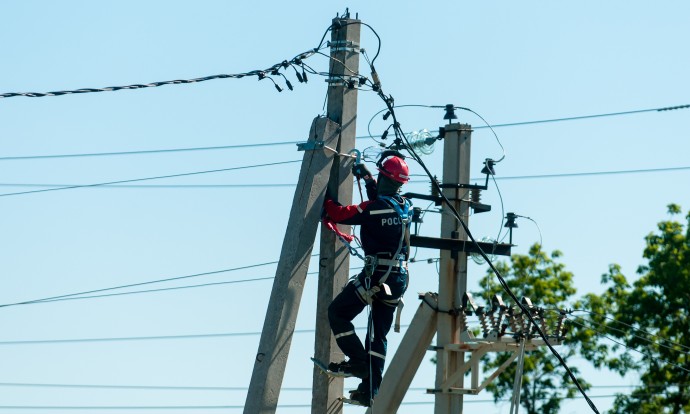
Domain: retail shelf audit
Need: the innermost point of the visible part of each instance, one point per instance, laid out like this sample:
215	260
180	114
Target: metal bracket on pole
310	145
477	350
494	321
456	245
515	401
343	46
347	81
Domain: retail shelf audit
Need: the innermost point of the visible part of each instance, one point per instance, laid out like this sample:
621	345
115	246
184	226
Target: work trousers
348	304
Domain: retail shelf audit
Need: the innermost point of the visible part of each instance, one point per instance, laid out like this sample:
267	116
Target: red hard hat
396	169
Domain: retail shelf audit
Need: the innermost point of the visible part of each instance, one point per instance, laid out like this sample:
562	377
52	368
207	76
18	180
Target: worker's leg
344	308
382	312
382	319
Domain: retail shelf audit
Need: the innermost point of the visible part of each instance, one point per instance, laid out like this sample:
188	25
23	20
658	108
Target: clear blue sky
509	62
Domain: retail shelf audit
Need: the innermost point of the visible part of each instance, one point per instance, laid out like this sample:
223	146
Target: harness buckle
370	263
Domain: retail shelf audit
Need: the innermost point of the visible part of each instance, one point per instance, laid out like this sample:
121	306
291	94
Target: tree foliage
644	327
549	285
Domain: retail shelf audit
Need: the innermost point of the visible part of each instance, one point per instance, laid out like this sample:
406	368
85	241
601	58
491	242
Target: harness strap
404	217
403	212
365	295
396	263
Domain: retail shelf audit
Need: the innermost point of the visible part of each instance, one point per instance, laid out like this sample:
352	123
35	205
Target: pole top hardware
348	81
343	46
468	186
310	145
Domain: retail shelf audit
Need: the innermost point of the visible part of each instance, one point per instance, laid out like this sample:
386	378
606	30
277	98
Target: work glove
360	171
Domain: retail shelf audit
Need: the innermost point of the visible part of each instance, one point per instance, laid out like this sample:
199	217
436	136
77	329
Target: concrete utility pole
453	264
319	172
334	257
429	320
279	324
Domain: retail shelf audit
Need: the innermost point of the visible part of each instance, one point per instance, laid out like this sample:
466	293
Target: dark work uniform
383	233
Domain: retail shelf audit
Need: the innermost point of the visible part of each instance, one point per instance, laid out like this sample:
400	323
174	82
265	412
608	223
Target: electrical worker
384	233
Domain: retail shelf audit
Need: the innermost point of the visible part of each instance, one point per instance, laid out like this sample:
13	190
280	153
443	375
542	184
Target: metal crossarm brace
478	350
500	249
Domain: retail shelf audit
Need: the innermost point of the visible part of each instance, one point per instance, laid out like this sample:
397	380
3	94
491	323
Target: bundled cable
261	74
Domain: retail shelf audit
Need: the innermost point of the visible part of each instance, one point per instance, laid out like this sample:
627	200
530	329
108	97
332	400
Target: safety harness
366	291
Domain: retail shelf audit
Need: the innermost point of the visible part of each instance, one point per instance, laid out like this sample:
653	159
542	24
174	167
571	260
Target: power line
239	407
153	338
621	331
297	61
577	118
593	173
631	327
241	146
216	186
152	186
133	387
72	295
79	295
149	178
137	338
132	407
136	292
156	151
648	355
228	388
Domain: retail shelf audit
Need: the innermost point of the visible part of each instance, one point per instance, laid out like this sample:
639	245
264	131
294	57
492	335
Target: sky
509	62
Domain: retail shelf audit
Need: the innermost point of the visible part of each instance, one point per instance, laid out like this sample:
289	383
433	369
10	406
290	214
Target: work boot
350	369
361	397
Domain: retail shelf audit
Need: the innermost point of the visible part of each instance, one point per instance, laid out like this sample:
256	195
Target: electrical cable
648	355
136	387
139	152
149	178
541	240
492	131
594	173
53	298
136	292
240	407
503	210
523	177
502	281
153	338
577	118
260	74
620	331
369	136
79	295
631	327
341	62
340	25
229	388
144	186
